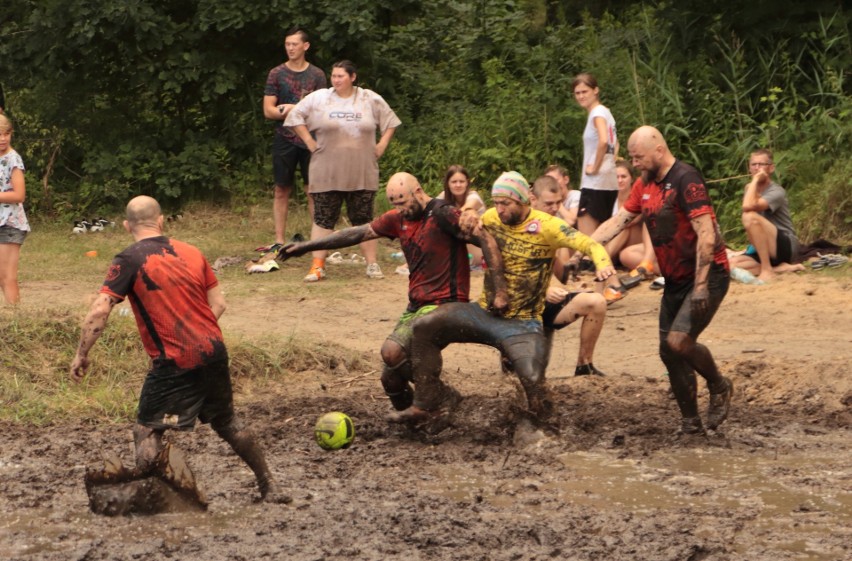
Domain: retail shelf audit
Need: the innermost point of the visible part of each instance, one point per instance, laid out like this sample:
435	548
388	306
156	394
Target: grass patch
35	386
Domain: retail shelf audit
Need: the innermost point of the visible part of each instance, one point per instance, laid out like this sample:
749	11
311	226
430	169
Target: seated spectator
767	222
570	197
457	190
632	246
564	307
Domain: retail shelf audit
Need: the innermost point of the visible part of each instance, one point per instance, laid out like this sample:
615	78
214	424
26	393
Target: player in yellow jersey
528	240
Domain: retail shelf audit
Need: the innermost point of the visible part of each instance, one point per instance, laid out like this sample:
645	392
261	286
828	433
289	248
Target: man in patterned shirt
177	302
673	200
528	241
286	85
439	271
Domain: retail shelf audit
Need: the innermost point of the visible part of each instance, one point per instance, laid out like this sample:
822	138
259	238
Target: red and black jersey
436	252
668	207
167	282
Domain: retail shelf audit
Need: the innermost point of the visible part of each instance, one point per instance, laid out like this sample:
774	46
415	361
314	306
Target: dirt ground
614	482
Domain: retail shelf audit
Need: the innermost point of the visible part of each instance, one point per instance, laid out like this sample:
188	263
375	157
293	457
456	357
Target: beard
413	212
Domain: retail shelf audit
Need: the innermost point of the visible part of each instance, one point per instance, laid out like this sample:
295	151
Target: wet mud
614	482
610	480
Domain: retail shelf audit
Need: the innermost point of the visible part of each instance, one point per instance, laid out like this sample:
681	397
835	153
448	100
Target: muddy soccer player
177	301
528	241
691	255
439	271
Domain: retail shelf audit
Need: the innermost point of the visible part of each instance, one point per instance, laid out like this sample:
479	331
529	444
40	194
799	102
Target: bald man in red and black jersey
436	252
673	200
177	301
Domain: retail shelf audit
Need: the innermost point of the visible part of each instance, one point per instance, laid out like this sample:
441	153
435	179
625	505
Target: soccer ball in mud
334	431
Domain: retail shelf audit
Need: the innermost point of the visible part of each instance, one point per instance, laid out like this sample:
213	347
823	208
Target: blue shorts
9	234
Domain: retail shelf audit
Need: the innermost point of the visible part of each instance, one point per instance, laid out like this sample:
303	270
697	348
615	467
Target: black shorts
172	399
327	206
783	250
553	310
675	311
285	157
597	203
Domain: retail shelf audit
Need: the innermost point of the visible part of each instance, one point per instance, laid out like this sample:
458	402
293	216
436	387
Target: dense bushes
118	98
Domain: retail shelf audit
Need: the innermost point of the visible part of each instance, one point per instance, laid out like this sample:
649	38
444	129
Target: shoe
374	271
587	370
658	284
402	270
273	247
644	270
336	258
315	274
630	282
613	294
691	425
720	404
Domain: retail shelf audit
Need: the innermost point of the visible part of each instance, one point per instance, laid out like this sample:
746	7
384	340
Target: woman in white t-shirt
598	184
344	156
457	190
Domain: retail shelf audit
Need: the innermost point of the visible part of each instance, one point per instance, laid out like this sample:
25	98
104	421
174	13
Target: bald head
143	217
647	137
406	195
649	153
401	185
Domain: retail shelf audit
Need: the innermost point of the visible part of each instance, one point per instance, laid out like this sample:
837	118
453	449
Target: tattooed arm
93	328
703	226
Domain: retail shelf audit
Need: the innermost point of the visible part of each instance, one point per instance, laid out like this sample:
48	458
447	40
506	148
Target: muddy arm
93	328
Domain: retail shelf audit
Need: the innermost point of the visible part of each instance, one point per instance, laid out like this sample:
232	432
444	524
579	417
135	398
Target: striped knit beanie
513	185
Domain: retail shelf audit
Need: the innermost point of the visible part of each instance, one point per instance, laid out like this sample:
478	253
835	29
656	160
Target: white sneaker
374	271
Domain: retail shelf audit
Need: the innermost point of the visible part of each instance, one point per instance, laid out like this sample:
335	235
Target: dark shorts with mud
675	309
174	399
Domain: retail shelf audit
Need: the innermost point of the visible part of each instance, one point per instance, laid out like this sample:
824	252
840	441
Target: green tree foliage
114	98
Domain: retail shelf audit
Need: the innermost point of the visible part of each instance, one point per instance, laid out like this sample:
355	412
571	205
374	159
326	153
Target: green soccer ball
334	431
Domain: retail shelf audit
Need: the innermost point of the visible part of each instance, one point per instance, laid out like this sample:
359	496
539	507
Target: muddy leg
243	442
529	354
149	445
396	375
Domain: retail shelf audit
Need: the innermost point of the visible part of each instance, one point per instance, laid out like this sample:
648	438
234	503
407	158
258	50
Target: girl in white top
457	190
13	221
598	185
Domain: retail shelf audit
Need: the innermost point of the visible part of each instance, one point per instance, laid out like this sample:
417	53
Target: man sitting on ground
767	222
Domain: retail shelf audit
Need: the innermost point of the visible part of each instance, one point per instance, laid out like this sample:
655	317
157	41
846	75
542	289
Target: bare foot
789	268
766	276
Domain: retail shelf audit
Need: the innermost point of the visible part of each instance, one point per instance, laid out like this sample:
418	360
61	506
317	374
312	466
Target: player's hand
500	304
761	179
700	304
604	273
79	366
469	223
290	250
556	295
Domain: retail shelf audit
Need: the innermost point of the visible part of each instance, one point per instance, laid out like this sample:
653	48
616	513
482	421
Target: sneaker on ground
691	425
720	405
315	274
374	271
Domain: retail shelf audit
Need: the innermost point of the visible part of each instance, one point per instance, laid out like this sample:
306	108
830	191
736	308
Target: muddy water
808	513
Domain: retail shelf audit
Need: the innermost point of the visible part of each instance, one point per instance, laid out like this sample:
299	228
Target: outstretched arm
342	238
93	328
